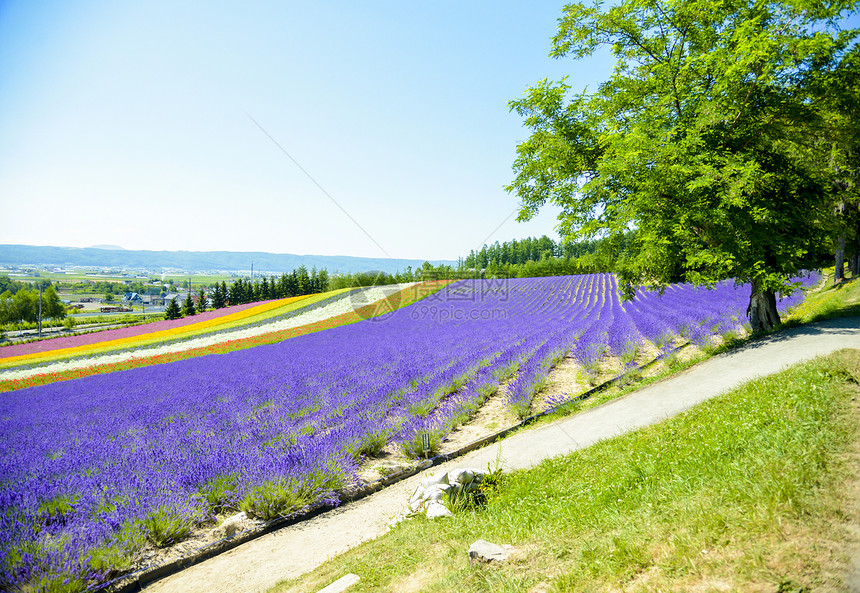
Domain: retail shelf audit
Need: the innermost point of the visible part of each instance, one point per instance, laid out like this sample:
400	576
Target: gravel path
298	549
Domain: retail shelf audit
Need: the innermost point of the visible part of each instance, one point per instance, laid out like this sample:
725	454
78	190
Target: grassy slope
746	492
828	301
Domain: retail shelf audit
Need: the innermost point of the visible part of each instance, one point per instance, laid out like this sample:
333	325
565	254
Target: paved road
296	550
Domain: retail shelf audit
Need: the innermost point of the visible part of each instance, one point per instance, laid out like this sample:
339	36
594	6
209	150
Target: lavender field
95	468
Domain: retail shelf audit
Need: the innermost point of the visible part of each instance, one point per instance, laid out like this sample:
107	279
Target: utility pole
40	309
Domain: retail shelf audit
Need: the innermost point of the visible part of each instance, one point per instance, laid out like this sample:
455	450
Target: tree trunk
762	311
839	274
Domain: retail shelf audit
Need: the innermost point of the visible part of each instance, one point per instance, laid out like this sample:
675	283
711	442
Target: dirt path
298	549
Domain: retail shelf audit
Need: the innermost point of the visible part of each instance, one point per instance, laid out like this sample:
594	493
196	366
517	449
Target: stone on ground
342	584
484	551
428	495
231	525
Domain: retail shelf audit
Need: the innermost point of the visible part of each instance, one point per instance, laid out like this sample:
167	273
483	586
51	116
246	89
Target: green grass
827	302
744	492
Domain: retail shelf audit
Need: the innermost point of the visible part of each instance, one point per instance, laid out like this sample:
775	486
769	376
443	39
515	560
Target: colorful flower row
117	333
136	335
349	309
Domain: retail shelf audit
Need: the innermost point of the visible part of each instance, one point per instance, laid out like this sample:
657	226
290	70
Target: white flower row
347	303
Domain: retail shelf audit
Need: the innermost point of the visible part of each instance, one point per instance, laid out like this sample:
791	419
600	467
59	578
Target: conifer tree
172	311
237	293
218	301
188	306
201	301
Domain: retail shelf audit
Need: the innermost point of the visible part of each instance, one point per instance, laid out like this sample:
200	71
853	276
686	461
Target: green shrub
370	444
284	497
220	493
414	447
165	527
508	371
57	509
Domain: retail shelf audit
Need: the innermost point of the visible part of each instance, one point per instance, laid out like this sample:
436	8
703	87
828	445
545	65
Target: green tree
237	292
25	306
7	284
693	143
5	307
303	281
172	311
217	301
52	306
322	280
201	300
836	149
220	295
188	308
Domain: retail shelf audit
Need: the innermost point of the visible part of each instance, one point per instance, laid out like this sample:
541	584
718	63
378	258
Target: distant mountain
197	261
108	247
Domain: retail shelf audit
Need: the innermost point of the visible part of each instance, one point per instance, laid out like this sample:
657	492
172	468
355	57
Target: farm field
99	467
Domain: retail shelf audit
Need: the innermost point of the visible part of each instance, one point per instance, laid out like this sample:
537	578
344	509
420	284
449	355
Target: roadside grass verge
749	491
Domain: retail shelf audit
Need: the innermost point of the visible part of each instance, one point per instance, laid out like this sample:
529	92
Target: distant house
154	300
132	298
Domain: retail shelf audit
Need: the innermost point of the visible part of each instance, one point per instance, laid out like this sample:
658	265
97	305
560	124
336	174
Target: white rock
436	510
485	551
341	585
436	491
231	525
398	518
440	478
417	496
461	476
428	495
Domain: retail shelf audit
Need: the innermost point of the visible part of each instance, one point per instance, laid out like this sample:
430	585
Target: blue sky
372	129
133	123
